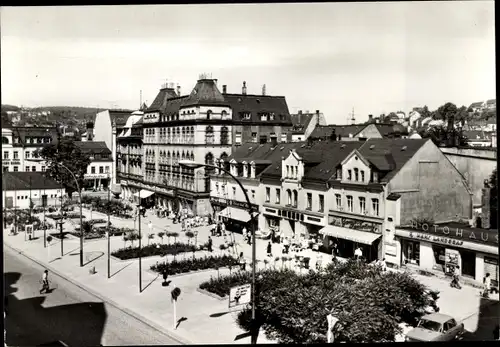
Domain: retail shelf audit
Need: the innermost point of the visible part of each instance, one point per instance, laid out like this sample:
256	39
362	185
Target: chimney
90	131
274	141
178	90
333	136
264	90
317	117
300	111
244	88
370	117
224	89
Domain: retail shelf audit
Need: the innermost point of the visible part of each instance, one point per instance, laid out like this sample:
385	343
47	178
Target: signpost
240	295
175	295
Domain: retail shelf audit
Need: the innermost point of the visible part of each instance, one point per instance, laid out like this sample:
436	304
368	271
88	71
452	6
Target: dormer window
246	115
209	113
264	117
252	171
356	175
245	170
375	177
339	174
223	114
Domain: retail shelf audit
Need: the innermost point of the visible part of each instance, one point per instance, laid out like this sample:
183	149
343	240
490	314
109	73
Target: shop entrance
468	264
439	257
411	252
346	248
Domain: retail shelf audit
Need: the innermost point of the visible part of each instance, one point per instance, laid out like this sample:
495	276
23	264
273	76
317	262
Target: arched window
192	156
183	134
224	138
209	114
289	195
183	156
209	134
223	114
209	159
356	174
295	196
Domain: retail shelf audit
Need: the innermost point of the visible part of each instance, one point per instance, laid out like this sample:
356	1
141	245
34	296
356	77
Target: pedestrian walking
334	251
456	278
358	253
486	285
269	249
244	231
209	244
45	282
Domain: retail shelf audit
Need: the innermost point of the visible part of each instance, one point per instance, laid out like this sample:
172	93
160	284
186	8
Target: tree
161	235
175	235
66	152
425	112
190	236
446	111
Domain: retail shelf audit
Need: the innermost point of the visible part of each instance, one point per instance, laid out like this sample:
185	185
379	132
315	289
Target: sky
334	57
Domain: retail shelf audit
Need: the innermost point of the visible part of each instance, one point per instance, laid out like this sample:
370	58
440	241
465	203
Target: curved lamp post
80	198
193	165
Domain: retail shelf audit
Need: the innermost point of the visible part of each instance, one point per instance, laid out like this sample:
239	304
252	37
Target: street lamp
193	165
80	198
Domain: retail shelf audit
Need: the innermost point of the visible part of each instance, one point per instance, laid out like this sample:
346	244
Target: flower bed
369	303
152	250
57	216
115	207
187	265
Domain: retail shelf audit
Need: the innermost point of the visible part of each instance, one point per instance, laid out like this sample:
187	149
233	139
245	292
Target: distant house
491	104
477	106
487	125
19	187
305	123
477	138
415	115
359	131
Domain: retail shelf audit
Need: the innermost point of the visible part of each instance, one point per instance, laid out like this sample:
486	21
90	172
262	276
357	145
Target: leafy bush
115	207
183	266
369	303
151	250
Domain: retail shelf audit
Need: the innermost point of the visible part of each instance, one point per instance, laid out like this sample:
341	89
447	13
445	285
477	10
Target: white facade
21	198
14	157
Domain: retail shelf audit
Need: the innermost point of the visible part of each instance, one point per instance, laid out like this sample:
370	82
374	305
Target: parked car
436	327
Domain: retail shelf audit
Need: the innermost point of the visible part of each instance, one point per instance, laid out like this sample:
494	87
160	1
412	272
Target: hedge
187	265
369	303
152	250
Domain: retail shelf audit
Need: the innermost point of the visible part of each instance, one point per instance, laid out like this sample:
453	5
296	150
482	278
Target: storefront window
411	252
439	257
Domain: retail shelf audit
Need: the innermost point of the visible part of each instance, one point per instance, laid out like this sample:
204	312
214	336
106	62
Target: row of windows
361	203
102	169
33	169
292	171
359	175
22	197
222	189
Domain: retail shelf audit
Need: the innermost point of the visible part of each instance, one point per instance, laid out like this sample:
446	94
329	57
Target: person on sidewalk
269	249
358	253
242	262
45	282
334	251
244	231
456	278
486	285
210	244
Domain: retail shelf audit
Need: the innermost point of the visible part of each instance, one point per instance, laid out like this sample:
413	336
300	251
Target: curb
206	292
139	317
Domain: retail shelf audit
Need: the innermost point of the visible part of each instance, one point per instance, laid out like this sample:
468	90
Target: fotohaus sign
453	234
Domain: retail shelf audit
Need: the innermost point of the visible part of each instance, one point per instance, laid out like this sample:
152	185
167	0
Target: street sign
240	295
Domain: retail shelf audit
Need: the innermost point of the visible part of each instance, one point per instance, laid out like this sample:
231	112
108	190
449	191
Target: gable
352	157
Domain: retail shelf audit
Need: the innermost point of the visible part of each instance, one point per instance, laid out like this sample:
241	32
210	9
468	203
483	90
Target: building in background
19	187
305	123
359	132
98	176
129	157
20	143
202	126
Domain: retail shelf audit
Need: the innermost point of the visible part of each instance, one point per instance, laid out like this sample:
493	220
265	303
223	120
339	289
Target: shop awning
144	193
235	213
349	234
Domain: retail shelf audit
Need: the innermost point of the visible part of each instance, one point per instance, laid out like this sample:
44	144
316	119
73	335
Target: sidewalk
122	289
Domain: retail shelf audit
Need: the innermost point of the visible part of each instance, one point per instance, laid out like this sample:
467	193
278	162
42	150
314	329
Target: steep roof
173	105
93	147
119	116
161	99
390	154
477	104
257	104
387	129
324	131
302	120
24	132
21	181
205	92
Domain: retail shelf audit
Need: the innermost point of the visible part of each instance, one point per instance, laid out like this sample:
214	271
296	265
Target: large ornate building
202	126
